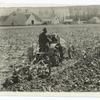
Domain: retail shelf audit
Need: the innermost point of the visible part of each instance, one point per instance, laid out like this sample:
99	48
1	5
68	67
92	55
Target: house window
32	22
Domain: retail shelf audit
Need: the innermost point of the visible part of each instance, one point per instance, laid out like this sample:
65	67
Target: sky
47	2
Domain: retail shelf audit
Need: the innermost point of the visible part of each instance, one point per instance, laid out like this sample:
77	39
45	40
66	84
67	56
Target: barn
18	18
94	20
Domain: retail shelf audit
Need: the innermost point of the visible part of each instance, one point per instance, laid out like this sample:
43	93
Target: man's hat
44	29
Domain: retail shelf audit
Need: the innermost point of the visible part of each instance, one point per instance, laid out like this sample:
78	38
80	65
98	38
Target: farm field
14	42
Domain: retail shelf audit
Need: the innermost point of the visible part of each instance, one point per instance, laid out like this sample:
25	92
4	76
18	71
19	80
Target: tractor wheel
44	71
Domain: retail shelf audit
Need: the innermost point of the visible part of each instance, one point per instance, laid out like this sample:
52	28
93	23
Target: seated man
53	38
57	43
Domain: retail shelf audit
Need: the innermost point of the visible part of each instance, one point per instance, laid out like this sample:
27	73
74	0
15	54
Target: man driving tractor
48	41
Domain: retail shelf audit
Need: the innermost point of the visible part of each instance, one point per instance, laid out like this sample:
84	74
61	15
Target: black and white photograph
50	49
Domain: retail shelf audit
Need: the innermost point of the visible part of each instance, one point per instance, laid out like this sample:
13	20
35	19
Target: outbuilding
32	19
94	20
68	21
55	20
